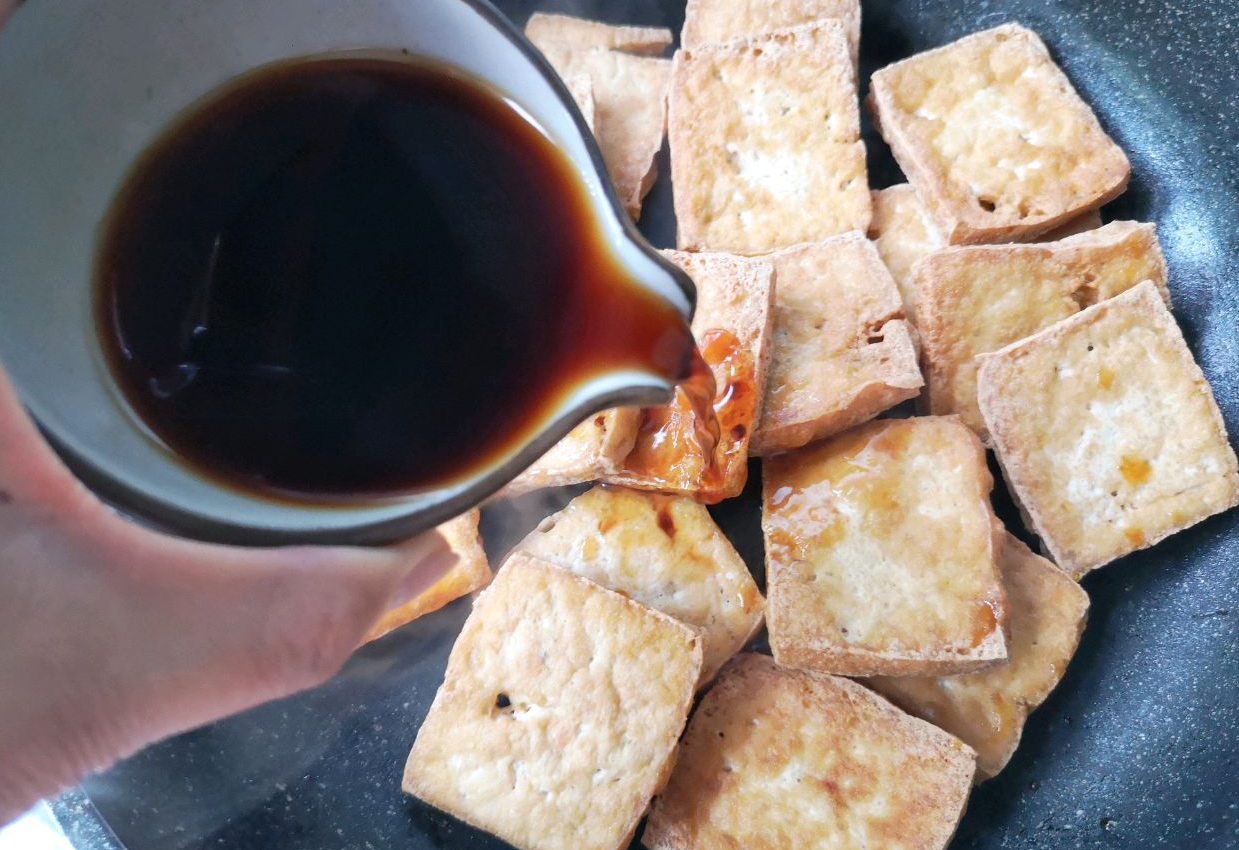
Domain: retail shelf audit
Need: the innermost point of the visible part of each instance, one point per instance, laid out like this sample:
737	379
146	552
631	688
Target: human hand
113	636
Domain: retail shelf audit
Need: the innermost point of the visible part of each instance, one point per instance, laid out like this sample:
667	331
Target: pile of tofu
602	676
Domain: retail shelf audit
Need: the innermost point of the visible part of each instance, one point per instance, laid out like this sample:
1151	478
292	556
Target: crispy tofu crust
630	110
841	352
881	552
765	142
995	139
470	572
592	450
776	758
559	714
976	299
719	21
736	295
662	551
1107	431
643	41
987	710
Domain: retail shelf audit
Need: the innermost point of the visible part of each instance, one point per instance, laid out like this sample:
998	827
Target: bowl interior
85	86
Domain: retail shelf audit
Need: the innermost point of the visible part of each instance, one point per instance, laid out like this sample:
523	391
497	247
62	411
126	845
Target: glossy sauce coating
353	276
692	443
897	508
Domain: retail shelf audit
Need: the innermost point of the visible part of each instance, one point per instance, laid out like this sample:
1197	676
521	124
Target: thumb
120	636
203	631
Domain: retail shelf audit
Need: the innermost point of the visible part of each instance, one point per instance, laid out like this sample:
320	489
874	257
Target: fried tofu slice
544	28
470	572
776	758
662	551
994	138
904	232
1107	431
842	352
718	21
581	87
976	299
1083	223
765	142
732	325
558	717
882	552
987	710
592	450
630	109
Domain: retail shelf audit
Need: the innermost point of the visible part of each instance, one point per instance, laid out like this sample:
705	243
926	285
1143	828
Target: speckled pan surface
1139	746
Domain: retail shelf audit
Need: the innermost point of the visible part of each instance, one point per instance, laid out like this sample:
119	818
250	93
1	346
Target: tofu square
470	572
1107	431
776	758
544	28
592	450
987	710
994	138
630	107
732	325
718	21
559	714
975	299
765	142
662	551
905	232
882	552
841	351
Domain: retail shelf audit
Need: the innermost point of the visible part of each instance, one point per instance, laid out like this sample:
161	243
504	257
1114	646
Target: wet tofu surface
987	710
732	326
881	552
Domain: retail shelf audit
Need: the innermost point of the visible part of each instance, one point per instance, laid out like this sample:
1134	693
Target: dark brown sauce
354	276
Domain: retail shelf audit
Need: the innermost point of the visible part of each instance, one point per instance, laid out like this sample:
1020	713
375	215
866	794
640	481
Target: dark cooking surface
1138	747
